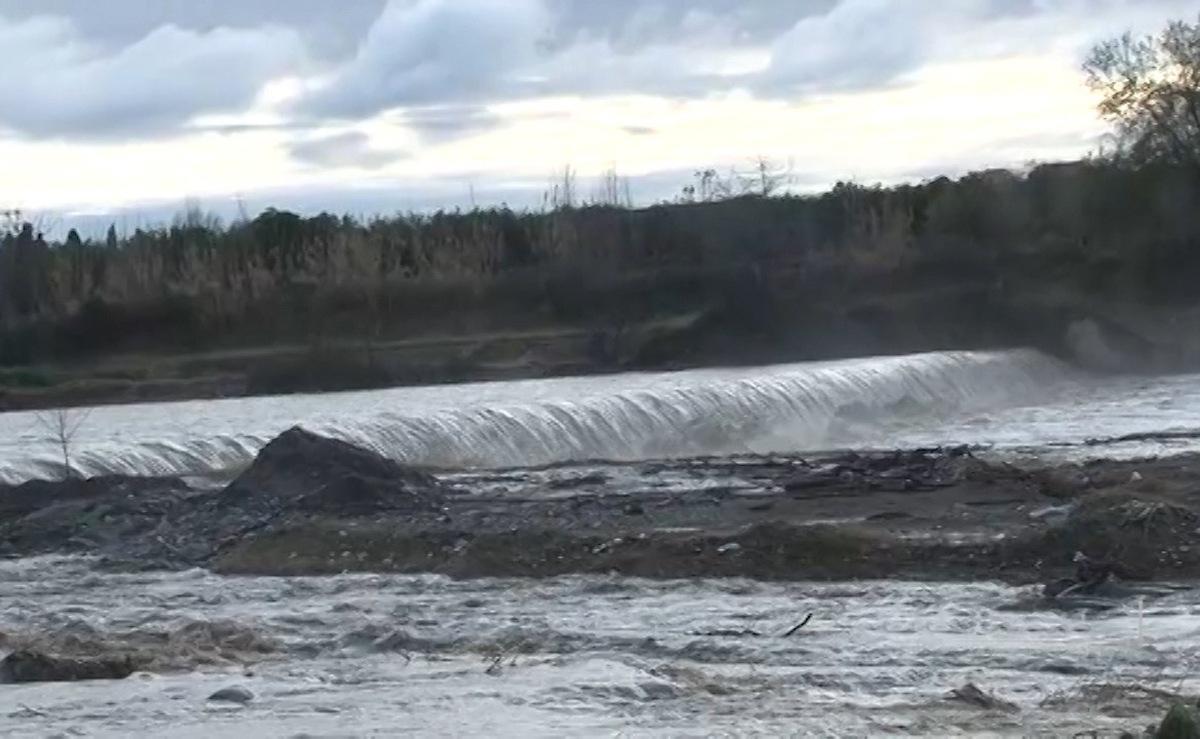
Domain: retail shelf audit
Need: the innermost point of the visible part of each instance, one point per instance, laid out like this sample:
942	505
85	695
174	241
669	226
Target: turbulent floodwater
376	655
355	655
1010	400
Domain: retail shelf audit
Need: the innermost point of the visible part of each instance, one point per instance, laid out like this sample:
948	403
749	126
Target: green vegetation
24	377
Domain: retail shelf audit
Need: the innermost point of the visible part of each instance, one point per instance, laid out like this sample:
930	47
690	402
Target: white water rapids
1009	399
369	655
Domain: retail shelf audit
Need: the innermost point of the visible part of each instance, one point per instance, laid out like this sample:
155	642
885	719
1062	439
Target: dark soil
309	505
35	667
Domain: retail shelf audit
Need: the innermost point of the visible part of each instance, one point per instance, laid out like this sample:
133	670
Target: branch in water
798	626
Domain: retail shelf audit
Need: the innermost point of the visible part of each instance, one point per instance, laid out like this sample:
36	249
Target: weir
784	408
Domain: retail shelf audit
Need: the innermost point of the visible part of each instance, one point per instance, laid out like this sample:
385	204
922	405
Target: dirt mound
322	474
1147	536
23	499
81	515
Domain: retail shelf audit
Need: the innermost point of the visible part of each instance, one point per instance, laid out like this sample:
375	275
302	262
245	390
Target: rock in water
1179	723
976	696
232	695
28	666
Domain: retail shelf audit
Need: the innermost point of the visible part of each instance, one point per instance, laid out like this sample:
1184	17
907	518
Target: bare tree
562	192
63	425
711	185
766	177
612	190
1150	88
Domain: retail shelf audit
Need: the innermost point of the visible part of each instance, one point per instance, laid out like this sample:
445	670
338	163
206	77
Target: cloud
439	123
434	52
865	44
632	24
870	44
414	57
347	149
858	43
330	30
119	70
57	84
236	128
430	55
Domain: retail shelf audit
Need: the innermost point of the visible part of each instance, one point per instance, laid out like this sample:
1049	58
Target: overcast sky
134	106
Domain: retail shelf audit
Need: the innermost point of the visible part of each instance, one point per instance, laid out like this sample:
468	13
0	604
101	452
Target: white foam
623	417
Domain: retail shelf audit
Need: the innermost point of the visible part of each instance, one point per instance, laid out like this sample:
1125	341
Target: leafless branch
63	425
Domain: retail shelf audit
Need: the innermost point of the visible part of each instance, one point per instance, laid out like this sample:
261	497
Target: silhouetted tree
28	277
1151	93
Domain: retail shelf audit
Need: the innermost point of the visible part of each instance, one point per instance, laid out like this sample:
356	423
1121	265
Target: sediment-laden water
375	655
385	655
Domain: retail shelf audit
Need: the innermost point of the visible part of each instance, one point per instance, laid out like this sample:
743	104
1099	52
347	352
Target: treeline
282	277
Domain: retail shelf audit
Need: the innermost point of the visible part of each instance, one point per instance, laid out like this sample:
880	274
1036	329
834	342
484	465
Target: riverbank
776	326
1088	261
310	505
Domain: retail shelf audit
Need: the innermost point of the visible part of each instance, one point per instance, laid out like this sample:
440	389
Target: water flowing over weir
531	422
783	408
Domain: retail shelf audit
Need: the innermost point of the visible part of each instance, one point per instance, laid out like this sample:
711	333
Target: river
354	655
385	656
1010	400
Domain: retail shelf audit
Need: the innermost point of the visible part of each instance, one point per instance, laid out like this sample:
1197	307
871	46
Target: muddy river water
355	655
374	655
